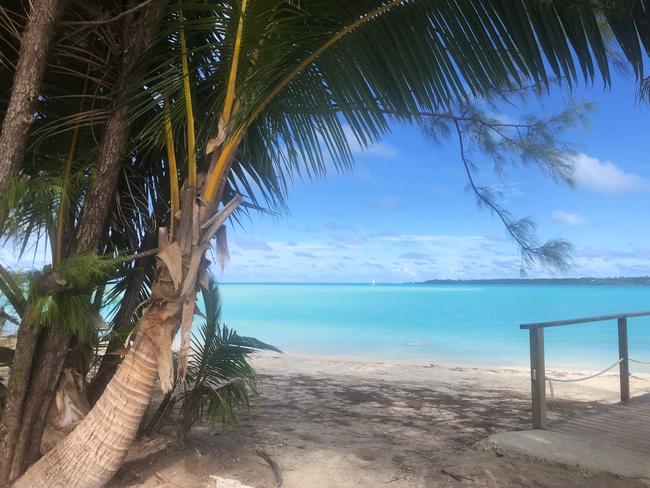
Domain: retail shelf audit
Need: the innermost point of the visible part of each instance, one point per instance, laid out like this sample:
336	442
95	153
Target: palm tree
278	82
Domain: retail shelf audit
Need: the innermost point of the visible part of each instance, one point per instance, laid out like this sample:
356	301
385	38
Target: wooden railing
538	367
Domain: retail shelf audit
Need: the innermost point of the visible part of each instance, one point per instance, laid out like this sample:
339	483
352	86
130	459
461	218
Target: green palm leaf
220	377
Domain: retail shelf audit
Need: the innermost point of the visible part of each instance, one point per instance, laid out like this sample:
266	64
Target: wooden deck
625	425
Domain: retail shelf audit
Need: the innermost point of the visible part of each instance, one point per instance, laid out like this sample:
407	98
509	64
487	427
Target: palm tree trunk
35	42
41	361
89	456
92	453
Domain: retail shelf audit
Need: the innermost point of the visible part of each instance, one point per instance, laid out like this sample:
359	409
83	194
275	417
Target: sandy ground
331	423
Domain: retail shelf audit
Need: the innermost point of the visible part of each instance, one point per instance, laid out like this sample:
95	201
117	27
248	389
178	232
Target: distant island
640	280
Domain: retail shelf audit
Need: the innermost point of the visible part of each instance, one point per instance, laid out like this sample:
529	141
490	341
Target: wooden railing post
538	377
624	365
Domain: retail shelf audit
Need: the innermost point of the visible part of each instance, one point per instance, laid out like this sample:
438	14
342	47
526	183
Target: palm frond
220	377
305	71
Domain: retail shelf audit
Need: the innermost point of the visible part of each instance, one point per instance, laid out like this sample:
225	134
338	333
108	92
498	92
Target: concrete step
568	450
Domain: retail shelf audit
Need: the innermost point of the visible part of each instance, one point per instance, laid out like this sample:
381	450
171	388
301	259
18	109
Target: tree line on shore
623	280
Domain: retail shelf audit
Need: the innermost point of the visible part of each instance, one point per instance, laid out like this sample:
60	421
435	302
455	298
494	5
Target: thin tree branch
139	255
525	247
111	19
7	317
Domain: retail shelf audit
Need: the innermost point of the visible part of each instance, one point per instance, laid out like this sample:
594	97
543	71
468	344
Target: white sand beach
338	423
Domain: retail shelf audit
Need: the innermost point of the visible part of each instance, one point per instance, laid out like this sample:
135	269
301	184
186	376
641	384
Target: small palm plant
220	378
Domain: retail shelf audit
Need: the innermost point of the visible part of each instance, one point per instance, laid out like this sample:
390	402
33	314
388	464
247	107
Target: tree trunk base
92	453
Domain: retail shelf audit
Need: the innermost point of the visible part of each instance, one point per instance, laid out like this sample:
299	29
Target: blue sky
404	213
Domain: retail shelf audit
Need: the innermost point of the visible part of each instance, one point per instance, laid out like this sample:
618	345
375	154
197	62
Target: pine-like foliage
70	305
525	140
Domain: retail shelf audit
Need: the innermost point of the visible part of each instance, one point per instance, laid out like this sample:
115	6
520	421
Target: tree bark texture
89	456
27	407
42	386
35	42
113	147
18	386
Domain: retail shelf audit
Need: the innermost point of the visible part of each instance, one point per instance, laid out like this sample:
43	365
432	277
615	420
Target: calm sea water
449	323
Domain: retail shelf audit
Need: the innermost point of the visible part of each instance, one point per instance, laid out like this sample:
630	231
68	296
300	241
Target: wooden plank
639	401
628	415
608	436
608	422
624	365
627	430
636	412
582	320
538	378
611	421
626	425
637	408
600	438
631	437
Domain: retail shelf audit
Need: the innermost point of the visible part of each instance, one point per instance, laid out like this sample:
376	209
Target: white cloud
399	257
439	239
404	270
378	149
503	118
297	246
606	177
381	150
253	244
567	217
390	204
508	190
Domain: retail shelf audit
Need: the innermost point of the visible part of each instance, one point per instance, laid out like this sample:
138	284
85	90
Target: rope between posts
558	380
637	361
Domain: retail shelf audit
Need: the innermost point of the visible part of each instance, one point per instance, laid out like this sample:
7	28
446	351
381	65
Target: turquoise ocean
456	324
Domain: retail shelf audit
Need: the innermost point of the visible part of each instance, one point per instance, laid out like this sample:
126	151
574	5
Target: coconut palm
273	85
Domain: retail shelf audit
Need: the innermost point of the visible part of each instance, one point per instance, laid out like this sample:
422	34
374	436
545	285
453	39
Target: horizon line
451	280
